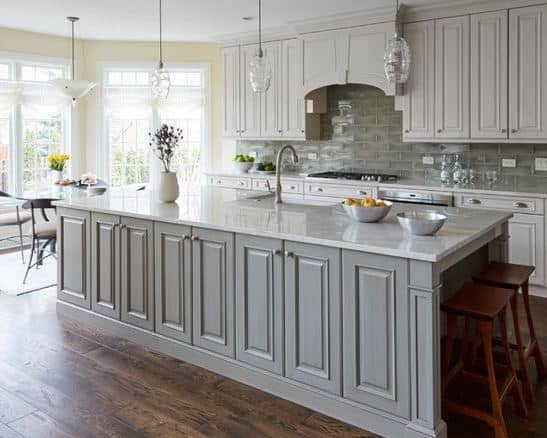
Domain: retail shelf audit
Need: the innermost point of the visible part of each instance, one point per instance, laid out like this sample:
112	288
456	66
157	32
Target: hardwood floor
61	379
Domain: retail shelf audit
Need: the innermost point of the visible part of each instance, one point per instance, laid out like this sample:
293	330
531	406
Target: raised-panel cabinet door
230	92
73	243
250	108
489	75
527	244
527	73
452	78
376	345
313	315
325	59
173	285
419	98
213	290
105	260
292	99
270	101
137	272
259	302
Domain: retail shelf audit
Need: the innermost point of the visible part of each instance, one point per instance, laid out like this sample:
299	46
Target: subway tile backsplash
377	144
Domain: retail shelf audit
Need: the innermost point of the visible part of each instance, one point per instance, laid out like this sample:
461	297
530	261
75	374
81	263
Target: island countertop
296	220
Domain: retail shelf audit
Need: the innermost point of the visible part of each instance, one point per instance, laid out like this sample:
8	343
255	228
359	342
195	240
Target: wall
377	144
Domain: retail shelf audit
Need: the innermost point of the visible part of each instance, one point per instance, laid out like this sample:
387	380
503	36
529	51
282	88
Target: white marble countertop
233	210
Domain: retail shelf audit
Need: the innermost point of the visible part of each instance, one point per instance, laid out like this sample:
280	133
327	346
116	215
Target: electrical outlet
541	164
508	162
428	160
253	154
312	156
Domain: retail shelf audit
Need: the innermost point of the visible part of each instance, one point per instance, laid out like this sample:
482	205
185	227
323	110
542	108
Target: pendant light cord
260	52
72	50
161	35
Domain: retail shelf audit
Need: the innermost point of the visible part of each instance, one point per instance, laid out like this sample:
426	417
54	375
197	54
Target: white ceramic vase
55	175
168	190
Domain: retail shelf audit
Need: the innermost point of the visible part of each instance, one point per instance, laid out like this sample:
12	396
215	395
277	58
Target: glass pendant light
260	72
71	87
397	56
160	82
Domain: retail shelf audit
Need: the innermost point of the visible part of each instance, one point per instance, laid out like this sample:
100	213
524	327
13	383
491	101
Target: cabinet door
375	337
73	235
137	272
292	99
213	288
489	75
312	315
325	59
259	302
249	100
527	244
173	285
527	69
230	92
105	262
452	78
270	102
418	113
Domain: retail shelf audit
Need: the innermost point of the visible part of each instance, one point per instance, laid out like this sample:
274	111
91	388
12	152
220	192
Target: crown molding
244	38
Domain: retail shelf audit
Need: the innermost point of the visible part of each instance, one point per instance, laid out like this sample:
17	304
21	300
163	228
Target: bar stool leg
451	325
518	399
540	365
524	376
485	330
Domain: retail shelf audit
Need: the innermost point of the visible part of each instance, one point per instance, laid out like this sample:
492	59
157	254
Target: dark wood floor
60	379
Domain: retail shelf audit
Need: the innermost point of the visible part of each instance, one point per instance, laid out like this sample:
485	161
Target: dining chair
18	218
44	233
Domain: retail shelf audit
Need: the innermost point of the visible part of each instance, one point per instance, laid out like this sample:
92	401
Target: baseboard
538	291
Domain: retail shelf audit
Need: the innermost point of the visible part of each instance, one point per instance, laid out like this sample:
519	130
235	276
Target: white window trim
103	155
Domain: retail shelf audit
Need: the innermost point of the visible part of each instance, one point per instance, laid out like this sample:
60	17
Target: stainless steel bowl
368	214
421	223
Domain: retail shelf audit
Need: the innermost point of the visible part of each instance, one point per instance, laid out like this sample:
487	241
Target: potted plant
163	143
57	163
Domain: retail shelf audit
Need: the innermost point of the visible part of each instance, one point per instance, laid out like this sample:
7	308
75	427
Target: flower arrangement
163	143
57	162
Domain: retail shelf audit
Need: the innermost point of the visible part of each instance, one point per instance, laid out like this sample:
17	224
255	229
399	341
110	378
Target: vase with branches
163	143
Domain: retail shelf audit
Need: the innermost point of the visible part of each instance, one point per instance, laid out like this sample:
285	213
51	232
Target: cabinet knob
289	254
293	188
184	237
407	131
439	131
280	131
520	205
319	189
363	193
474	201
504	131
514	131
303	131
241	183
277	252
194	238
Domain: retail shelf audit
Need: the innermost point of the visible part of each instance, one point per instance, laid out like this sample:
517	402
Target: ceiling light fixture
397	55
160	82
72	87
260	72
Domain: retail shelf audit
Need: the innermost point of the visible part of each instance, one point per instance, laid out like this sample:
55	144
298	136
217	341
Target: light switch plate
508	162
541	164
428	160
312	156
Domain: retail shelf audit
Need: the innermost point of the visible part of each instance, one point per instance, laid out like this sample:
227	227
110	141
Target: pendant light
160	82
72	87
260	72
397	55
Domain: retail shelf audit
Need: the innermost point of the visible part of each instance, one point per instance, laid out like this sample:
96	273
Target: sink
269	198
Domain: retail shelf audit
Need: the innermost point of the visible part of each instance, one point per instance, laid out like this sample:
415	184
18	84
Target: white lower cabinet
527	244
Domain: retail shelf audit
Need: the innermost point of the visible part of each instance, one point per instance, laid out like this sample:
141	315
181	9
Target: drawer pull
194	238
474	201
520	205
219	182
277	252
319	189
293	188
289	254
241	183
363	193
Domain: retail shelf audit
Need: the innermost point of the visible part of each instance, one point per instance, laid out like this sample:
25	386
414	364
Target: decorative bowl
242	167
368	214
421	223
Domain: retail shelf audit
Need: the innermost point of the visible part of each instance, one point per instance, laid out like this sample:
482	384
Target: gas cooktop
358	176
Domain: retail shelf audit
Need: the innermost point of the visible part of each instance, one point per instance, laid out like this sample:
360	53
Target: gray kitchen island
296	299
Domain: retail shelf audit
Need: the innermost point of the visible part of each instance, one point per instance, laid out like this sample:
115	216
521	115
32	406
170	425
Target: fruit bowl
242	166
367	214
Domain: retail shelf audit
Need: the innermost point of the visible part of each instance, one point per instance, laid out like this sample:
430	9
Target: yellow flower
57	161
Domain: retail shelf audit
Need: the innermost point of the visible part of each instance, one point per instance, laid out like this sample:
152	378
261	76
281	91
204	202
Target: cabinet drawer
515	204
339	191
231	182
286	186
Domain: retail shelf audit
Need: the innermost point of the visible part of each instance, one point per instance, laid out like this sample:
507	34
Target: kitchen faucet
278	170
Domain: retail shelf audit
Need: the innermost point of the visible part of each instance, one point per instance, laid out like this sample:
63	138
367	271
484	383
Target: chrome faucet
278	170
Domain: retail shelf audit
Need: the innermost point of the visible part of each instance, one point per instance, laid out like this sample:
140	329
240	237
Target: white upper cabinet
489	75
325	59
527	73
249	100
230	92
271	107
452	78
419	99
366	56
292	99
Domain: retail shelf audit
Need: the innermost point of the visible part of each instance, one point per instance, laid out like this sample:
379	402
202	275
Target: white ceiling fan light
72	87
397	55
160	81
260	71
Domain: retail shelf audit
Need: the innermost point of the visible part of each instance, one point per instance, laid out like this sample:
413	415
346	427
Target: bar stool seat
483	304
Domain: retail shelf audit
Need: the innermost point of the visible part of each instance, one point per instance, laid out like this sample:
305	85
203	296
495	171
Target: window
4	152
130	114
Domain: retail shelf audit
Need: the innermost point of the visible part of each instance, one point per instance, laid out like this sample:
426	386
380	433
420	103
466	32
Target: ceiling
184	20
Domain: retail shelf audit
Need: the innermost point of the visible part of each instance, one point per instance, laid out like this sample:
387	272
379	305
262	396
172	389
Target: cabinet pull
520	205
289	254
194	238
277	252
293	188
319	189
474	201
514	131
439	131
219	182
504	131
363	193
407	131
280	131
184	237
241	183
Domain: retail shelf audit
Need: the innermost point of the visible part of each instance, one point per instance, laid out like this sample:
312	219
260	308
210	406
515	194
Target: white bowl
242	167
368	214
421	223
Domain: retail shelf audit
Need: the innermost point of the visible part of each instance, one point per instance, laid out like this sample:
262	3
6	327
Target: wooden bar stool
482	304
515	277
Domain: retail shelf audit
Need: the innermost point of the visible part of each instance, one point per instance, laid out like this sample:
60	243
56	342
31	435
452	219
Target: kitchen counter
297	220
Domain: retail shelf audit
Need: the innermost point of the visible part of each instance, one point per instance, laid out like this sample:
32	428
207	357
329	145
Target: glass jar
342	123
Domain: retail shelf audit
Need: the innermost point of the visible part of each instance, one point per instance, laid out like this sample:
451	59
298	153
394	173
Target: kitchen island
295	299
